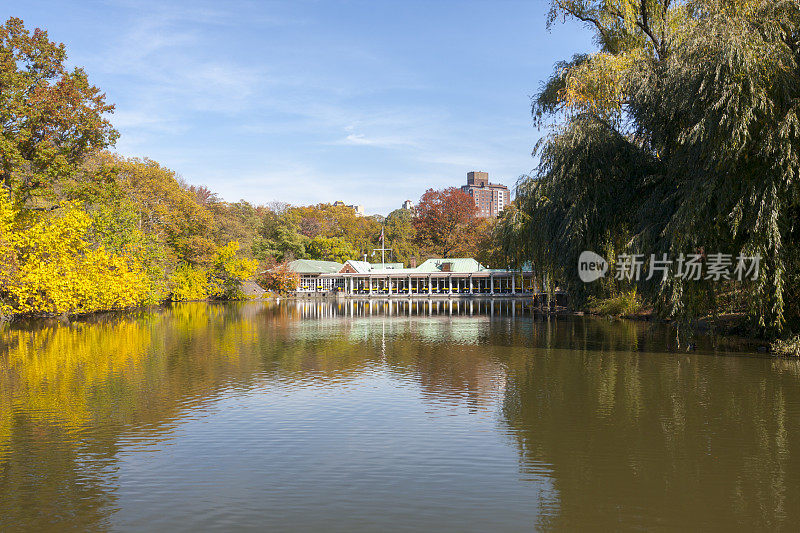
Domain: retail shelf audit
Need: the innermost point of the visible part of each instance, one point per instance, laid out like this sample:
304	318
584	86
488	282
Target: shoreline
701	327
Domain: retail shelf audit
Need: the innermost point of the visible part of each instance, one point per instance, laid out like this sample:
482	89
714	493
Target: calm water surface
340	417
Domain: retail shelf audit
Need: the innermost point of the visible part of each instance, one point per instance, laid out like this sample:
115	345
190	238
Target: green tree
401	235
331	249
51	117
236	221
681	135
338	221
279	237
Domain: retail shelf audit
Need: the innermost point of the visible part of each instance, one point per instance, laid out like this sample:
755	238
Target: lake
401	416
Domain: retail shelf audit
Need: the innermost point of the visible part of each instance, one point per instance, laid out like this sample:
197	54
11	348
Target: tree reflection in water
628	433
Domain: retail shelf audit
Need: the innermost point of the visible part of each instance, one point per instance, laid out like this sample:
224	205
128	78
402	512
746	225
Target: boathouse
434	277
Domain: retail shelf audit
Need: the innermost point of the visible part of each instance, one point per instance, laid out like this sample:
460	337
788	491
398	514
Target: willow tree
680	135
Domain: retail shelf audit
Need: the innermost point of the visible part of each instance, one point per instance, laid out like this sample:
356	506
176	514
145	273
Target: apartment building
490	198
358	209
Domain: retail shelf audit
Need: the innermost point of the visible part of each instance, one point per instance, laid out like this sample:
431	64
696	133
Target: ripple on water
253	416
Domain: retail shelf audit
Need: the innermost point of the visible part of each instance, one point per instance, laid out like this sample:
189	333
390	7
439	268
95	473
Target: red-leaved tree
442	218
280	279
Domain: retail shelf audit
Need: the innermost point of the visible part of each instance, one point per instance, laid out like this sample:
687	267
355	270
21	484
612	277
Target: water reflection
314	308
359	415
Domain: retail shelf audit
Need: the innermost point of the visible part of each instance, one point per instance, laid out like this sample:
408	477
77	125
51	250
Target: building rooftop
457	264
462	265
361	267
387	266
312	266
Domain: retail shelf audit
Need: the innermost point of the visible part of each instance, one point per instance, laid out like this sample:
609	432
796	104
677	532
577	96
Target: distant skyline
367	102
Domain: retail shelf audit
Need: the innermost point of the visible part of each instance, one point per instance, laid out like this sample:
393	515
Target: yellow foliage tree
188	283
50	267
221	280
228	270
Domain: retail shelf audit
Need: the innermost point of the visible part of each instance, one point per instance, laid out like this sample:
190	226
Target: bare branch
585	18
664	22
644	25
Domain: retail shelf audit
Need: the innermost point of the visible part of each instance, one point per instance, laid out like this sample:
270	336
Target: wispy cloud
310	101
358	139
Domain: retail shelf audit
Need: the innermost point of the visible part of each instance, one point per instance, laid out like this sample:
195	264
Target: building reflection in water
605	424
397	307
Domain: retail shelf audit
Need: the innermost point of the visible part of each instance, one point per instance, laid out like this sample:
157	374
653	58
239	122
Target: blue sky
368	102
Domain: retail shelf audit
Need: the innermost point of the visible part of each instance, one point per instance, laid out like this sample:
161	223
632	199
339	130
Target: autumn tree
50	266
338	221
51	117
129	231
480	242
168	210
401	235
441	219
236	221
280	279
322	231
279	238
202	194
331	249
